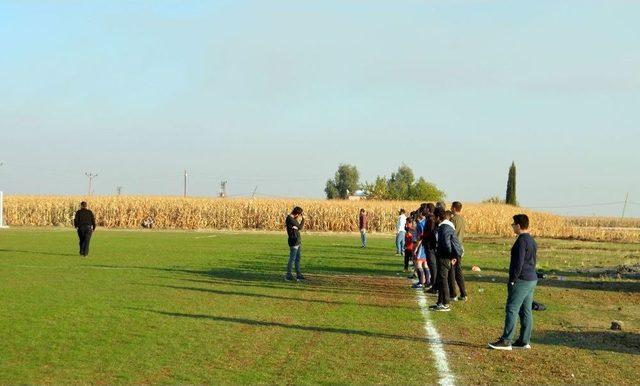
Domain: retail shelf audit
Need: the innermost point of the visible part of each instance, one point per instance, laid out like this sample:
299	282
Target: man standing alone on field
85	222
400	232
363	222
522	283
294	224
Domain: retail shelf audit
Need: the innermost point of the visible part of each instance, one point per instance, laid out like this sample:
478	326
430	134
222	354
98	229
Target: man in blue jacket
522	283
448	251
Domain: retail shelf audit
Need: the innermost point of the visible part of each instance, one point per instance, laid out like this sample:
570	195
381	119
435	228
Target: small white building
357	196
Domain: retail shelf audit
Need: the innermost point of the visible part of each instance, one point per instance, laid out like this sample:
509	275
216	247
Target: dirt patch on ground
624	271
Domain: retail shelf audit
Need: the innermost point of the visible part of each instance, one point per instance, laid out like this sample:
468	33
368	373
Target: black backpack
538	306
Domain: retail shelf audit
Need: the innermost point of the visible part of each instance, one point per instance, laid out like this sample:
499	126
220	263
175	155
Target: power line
91	177
577	206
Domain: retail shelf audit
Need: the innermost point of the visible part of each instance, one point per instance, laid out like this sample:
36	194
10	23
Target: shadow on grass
246	277
298	287
260	323
38	252
620	342
355	265
334	330
264	296
616	286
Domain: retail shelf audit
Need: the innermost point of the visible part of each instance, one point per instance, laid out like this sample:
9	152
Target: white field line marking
440	357
205	237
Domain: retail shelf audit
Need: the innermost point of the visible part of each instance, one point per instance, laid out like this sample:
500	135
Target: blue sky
276	94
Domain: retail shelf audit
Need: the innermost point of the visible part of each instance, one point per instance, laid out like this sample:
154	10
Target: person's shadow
621	342
37	252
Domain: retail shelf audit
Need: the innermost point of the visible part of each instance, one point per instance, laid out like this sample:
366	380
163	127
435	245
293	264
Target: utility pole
91	176
184	194
624	208
223	189
2	224
253	195
118	190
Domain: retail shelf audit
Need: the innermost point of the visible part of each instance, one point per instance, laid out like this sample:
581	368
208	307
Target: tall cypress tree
511	186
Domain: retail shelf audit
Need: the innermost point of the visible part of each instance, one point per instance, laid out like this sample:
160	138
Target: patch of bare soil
624	271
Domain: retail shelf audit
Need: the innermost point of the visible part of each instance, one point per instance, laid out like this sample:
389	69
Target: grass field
197	307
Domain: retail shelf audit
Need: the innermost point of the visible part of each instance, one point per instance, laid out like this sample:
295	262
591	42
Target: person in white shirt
400	232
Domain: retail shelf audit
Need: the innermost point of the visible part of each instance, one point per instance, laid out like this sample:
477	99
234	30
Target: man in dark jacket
456	276
429	241
294	224
522	283
85	222
448	252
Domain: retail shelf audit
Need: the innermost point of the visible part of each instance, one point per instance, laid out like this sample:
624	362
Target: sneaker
300	277
463	298
417	285
433	307
443	308
519	345
454	299
500	344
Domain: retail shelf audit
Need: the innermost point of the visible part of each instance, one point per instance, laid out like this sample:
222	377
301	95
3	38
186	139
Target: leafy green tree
425	191
403	186
331	190
344	182
399	185
511	186
379	190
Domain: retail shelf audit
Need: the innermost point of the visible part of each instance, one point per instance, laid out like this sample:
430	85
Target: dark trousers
432	263
457	277
444	266
84	233
408	255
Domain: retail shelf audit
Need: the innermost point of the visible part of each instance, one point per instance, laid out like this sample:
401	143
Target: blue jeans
363	237
294	258
400	242
519	299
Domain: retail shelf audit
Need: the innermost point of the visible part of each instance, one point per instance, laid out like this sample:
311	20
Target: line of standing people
431	238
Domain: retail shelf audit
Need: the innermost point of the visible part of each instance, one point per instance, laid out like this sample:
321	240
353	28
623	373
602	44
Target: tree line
401	185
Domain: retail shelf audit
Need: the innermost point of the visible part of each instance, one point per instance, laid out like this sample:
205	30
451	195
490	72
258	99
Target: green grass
195	307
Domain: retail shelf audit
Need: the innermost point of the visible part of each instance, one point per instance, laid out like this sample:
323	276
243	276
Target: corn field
269	214
604	222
